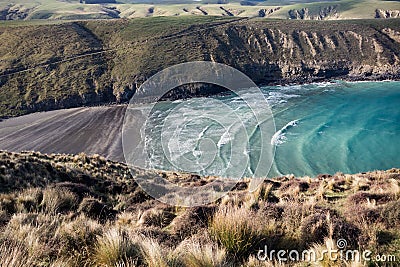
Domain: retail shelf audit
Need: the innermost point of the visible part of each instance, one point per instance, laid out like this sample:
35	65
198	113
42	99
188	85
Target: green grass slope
71	64
72	9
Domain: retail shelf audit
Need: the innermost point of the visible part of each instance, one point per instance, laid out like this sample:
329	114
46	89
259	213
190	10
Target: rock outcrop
386	14
14	12
327	12
266	12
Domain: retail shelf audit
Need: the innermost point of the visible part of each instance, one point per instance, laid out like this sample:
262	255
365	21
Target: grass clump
76	238
29	200
115	247
156	217
323	250
15	255
95	209
237	230
391	213
58	200
155	255
196	254
35	232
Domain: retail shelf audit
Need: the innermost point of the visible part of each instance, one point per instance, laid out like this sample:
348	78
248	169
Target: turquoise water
320	128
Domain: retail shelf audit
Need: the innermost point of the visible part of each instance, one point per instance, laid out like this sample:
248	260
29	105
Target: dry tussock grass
89	212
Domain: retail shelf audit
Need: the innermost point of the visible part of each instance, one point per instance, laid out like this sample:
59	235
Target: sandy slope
90	130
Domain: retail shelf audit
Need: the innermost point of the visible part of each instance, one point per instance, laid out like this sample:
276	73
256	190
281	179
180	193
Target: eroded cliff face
301	55
325	12
274	52
387	14
14	12
108	61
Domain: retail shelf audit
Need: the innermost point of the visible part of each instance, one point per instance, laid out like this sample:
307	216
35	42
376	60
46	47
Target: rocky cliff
46	67
385	14
14	12
325	12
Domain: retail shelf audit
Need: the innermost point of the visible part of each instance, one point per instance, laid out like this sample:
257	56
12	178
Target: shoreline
103	115
287	83
47	157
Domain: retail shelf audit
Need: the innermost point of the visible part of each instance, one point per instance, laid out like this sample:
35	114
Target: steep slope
84	63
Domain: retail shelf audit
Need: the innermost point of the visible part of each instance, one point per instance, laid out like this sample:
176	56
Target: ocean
339	126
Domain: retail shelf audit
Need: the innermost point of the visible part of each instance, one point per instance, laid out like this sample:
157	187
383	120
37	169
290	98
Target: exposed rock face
327	12
395	35
269	52
13	12
299	14
385	14
305	55
265	12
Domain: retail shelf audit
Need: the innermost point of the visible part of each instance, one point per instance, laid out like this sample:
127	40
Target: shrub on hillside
80	190
360	214
96	210
29	200
391	214
156	217
316	227
191	221
8	203
367	197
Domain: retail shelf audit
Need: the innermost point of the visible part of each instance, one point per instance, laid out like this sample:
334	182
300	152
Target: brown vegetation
65	210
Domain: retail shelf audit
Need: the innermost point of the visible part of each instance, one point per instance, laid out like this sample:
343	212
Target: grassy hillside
78	210
51	66
68	64
72	9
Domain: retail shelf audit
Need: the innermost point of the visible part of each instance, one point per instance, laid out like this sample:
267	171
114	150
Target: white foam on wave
325	84
280	136
275	98
225	139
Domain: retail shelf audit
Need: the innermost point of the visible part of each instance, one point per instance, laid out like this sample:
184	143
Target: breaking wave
280	136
